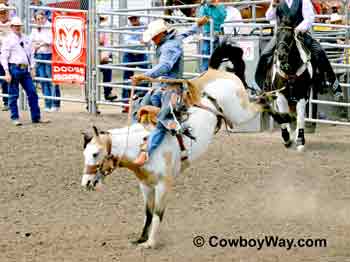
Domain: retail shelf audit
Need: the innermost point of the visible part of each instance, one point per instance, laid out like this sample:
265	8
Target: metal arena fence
253	38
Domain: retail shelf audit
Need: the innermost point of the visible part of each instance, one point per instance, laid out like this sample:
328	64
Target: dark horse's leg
283	107
148	195
300	139
234	54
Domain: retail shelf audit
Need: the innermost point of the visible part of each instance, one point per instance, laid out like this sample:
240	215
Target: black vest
293	16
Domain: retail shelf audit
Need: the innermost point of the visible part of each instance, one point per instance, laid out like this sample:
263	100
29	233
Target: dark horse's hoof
288	143
286	137
138	241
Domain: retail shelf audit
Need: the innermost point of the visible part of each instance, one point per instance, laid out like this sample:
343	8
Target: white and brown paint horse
105	152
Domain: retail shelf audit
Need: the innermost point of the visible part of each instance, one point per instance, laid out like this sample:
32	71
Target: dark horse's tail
232	52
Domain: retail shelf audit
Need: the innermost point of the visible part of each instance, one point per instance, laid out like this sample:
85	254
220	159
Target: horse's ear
87	138
96	133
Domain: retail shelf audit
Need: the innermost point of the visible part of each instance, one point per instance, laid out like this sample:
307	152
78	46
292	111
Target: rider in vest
300	13
169	52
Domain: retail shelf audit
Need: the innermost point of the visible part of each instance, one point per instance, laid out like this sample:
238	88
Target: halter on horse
291	71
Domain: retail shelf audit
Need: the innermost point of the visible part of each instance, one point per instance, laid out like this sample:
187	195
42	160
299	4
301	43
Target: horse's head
98	159
285	46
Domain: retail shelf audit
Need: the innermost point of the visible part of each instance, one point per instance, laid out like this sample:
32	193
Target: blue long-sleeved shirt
134	39
218	13
170	55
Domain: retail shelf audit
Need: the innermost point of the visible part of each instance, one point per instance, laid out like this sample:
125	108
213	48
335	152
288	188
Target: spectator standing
129	57
47	13
233	14
217	12
106	57
42	40
18	62
4	30
11	5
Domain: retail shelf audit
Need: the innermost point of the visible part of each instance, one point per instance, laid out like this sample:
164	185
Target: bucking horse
222	94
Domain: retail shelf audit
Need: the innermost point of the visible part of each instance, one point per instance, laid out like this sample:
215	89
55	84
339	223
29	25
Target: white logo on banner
248	50
69	37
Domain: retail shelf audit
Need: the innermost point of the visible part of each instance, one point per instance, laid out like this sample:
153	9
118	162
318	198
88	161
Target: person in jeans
129	57
218	13
106	58
18	62
169	53
42	41
4	30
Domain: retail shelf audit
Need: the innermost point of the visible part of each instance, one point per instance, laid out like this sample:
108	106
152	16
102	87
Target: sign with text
69	47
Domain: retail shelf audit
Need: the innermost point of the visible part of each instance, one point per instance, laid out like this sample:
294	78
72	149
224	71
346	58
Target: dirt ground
247	185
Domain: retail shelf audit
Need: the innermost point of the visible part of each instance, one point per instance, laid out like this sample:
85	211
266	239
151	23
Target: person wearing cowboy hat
169	52
130	57
17	60
4	30
301	16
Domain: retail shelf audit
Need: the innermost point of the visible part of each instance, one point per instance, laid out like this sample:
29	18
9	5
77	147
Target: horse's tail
232	52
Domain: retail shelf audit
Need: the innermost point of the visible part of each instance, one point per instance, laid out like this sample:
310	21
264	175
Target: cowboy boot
141	159
143	156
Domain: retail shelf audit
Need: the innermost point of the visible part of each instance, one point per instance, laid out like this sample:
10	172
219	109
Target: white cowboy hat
4	7
154	28
16	21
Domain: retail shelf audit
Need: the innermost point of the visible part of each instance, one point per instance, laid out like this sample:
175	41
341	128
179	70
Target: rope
129	118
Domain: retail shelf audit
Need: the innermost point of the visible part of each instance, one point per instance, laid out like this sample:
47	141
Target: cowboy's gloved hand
203	20
135	79
299	30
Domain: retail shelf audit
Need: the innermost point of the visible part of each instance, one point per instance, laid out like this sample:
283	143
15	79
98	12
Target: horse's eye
94	155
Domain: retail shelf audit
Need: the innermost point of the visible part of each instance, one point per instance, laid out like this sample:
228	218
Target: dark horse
292	74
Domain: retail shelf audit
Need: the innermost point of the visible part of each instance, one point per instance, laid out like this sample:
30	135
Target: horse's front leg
148	196
283	107
162	190
300	138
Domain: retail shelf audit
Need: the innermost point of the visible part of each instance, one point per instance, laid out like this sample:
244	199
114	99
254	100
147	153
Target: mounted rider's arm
271	11
167	59
308	15
194	29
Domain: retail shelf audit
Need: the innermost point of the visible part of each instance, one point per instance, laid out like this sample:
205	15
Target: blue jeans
157	135
132	57
4	86
107	78
205	50
22	76
44	70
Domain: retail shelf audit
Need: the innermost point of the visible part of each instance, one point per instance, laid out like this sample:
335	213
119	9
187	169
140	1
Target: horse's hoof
288	144
147	245
300	148
138	241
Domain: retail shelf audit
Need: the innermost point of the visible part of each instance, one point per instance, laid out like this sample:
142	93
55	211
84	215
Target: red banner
69	47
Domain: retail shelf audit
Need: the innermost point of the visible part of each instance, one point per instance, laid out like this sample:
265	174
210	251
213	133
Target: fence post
347	55
24	14
91	63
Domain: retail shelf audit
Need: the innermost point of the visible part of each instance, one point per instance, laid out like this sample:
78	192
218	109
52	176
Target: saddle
191	96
